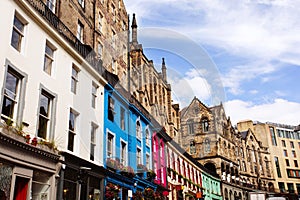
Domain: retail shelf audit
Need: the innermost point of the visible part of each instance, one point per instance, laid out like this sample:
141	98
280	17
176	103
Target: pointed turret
134	30
164	70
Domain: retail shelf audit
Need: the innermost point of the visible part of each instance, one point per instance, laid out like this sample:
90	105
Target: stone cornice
16	143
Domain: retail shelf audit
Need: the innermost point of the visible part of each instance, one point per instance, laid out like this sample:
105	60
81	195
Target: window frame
138	129
52	112
123	155
147	136
139	159
94	95
80	31
111	109
99	55
72	132
51	4
74	78
20	33
112	152
122	119
93	142
100	22
49	68
148	161
81	3
18	109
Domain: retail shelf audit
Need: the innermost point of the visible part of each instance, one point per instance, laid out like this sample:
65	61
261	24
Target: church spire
164	70
134	30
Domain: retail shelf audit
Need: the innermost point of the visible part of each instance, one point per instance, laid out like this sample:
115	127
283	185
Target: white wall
30	61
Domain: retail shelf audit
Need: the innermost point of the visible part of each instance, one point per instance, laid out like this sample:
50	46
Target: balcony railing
86	51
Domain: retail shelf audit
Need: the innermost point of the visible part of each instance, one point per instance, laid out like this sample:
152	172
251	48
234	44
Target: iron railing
86	51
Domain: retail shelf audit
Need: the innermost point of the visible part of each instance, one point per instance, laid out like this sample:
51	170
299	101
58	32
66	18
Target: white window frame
74	78
20	92
93	143
108	133
147	135
21	33
138	132
94	94
124	160
139	159
148	161
73	132
48	68
51	115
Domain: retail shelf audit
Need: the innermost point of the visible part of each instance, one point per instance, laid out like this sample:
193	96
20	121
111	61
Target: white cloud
238	74
185	87
278	111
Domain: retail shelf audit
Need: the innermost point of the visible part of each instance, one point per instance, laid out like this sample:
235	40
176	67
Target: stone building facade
150	87
284	147
208	135
100	25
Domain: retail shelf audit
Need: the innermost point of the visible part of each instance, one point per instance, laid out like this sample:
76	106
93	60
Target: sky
243	53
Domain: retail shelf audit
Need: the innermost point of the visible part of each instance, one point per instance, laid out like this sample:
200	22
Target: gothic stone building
208	135
150	87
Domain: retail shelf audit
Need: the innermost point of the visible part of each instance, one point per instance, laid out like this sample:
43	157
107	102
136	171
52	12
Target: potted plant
141	168
148	194
27	138
111	191
112	164
34	141
127	171
151	175
137	196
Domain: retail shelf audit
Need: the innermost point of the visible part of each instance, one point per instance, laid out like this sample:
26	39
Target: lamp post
82	171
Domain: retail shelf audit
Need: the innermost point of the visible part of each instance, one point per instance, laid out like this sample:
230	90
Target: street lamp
82	171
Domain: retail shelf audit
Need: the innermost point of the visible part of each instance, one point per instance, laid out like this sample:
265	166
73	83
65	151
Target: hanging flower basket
112	164
111	191
141	168
137	196
151	175
148	194
127	171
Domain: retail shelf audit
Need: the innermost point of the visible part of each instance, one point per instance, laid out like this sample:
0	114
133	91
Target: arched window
205	124
138	129
147	135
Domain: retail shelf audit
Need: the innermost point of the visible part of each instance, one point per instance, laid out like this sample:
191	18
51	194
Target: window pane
48	59
11	85
44	105
71	141
42	130
72	122
18	24
8	107
49	51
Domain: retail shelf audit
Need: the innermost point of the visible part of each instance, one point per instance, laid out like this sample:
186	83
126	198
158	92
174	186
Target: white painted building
51	89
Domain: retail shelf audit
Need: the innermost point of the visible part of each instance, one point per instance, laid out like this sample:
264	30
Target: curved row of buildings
86	115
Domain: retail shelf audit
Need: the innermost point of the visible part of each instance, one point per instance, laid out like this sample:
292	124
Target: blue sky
244	53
